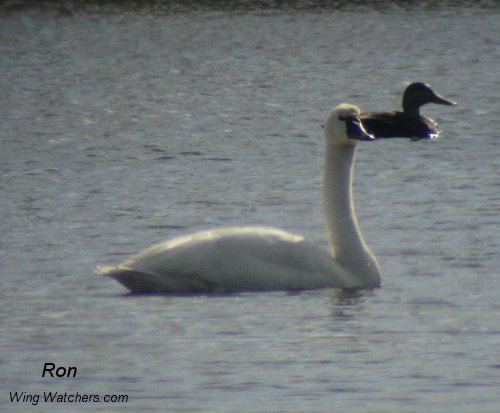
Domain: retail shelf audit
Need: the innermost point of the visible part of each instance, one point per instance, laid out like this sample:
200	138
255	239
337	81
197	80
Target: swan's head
344	127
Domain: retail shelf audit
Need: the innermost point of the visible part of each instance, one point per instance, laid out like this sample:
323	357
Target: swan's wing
232	260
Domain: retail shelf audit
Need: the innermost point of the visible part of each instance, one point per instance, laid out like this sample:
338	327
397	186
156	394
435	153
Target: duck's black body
409	123
399	125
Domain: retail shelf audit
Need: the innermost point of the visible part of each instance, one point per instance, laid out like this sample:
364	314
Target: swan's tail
140	282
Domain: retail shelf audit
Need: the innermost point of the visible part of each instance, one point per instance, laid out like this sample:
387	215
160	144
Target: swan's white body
239	259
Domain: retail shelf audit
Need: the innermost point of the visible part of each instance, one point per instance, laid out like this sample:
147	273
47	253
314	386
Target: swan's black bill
356	130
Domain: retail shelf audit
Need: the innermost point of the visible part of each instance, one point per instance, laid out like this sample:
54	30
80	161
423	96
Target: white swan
238	259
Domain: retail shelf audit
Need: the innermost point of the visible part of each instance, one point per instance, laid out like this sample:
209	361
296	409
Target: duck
238	259
409	123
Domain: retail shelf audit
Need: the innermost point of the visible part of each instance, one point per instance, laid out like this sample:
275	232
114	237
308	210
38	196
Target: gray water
124	127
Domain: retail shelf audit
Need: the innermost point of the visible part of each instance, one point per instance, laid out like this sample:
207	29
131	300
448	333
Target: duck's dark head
418	94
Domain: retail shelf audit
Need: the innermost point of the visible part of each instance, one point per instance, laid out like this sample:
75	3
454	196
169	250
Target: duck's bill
441	100
356	130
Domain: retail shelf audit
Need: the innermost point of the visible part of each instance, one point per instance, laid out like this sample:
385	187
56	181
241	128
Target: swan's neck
345	238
